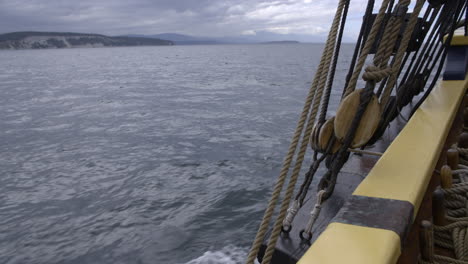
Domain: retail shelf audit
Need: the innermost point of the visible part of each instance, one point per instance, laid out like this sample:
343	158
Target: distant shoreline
60	40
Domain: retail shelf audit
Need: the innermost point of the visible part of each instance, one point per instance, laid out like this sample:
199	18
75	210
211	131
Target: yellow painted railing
402	173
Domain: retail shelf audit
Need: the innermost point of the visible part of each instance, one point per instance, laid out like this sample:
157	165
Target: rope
463	151
293	209
368	13
367	48
442	259
443	50
326	97
372	75
401	52
300	156
454	236
313	95
313	216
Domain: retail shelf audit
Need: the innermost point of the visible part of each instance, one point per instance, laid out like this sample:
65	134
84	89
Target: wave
227	255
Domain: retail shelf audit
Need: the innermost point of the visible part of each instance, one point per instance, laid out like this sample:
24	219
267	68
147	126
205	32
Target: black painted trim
389	214
457	63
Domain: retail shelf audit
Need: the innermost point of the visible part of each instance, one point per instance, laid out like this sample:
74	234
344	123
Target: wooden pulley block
314	136
346	113
326	134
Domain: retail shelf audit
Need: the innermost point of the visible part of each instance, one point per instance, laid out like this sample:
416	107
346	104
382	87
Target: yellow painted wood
343	243
402	173
459	38
405	169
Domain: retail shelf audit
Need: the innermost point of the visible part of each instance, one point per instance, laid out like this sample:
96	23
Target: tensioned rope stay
292	149
322	76
373	74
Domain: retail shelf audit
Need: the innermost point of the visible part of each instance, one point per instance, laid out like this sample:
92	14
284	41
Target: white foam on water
227	255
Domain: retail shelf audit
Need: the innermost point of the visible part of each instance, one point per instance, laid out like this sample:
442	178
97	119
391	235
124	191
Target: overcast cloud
194	17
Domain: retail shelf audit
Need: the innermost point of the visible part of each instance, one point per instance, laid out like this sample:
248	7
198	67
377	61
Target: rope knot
376	74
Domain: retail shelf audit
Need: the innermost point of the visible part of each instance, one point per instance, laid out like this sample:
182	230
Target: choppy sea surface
161	155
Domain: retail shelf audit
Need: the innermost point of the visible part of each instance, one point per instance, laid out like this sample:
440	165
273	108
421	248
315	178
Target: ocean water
161	155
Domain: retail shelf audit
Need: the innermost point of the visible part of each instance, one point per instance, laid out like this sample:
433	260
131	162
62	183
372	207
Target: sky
210	18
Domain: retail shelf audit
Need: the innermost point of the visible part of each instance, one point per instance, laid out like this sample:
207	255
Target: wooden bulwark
402	173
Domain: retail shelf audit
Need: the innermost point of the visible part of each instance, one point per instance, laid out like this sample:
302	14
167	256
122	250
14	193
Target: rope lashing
292	211
453	236
376	74
317	94
313	93
305	141
400	53
367	48
306	234
299	200
372	73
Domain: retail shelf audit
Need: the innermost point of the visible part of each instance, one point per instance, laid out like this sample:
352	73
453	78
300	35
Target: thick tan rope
454	236
442	259
463	151
326	59
288	159
329	55
380	69
401	52
367	47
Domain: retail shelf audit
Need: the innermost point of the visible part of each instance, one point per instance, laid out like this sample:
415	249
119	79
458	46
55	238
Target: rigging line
328	183
407	54
357	48
438	14
311	97
314	169
395	108
287	162
326	98
312	103
439	70
404	88
384	82
441	49
304	184
428	50
399	55
301	153
428	57
425	23
411	69
367	47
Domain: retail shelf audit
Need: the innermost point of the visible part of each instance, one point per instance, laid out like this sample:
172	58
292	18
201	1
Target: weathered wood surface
290	247
369	121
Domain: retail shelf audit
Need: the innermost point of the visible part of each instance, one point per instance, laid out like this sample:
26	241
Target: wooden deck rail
401	175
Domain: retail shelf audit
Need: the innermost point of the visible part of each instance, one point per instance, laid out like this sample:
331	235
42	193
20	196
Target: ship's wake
227	255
